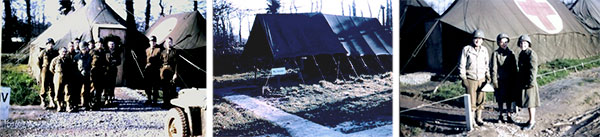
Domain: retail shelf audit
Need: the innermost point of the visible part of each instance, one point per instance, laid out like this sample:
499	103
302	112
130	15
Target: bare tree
9	22
162	8
66	6
274	6
195	5
369	5
29	23
147	21
342	1
353	7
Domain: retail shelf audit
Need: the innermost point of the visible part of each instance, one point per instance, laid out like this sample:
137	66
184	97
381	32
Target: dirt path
129	118
569	108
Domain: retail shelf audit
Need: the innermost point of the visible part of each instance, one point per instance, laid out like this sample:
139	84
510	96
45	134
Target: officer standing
114	60
528	64
97	73
45	78
503	68
168	72
61	67
151	71
474	72
84	60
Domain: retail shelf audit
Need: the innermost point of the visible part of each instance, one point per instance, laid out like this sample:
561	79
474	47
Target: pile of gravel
416	78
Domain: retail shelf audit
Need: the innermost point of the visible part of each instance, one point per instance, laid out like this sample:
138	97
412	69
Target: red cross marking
539	9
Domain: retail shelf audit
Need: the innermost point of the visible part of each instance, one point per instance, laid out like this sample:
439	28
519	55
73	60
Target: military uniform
474	71
84	60
503	68
151	73
114	60
46	91
528	71
62	69
98	75
168	69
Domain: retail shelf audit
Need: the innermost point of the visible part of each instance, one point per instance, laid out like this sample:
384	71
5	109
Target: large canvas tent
588	12
291	35
188	31
554	30
417	18
94	20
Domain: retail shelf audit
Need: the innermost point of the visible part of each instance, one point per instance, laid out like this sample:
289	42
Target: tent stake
299	71
319	68
365	64
351	65
338	71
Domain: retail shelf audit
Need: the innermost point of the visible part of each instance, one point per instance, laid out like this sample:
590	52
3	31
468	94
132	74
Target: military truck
187	117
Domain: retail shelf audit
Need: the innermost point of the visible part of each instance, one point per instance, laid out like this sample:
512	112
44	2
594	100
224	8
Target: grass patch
453	89
24	88
559	64
408	131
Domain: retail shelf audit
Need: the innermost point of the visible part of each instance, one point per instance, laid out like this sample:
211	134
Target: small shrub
24	89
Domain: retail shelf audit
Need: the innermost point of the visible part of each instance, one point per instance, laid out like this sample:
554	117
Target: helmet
502	35
478	34
50	40
153	38
525	37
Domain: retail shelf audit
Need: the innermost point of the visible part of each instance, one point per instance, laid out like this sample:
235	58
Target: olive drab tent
588	12
554	30
418	29
307	35
188	31
94	20
291	35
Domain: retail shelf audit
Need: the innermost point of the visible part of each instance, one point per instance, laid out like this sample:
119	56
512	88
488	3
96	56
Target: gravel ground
416	78
129	118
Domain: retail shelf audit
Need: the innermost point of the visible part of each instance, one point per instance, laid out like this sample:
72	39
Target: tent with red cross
555	32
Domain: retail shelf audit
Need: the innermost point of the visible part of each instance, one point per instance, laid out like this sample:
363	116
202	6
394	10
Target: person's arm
462	63
533	70
53	65
494	69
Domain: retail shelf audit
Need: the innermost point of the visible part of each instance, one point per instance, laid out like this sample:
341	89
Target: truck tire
177	123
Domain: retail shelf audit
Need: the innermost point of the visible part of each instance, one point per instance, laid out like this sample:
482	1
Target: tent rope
194	65
421	44
136	63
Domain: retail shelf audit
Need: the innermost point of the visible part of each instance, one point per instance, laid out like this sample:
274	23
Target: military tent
417	19
291	35
281	36
588	12
92	21
554	30
188	31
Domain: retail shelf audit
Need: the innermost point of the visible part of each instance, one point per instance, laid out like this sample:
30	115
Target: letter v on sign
4	97
542	14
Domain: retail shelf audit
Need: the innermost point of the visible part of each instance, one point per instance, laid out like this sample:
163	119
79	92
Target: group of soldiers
514	80
78	75
161	71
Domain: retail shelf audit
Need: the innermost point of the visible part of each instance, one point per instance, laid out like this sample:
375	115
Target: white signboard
4	103
278	71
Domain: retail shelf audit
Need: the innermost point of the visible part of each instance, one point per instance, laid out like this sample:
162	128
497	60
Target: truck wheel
177	123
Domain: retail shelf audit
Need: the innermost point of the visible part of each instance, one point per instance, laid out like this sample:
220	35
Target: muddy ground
570	107
347	106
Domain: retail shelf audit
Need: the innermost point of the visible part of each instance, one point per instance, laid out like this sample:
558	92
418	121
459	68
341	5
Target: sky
50	8
304	6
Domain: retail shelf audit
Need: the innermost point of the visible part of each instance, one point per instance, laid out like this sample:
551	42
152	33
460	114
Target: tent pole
379	62
319	68
338	71
299	70
351	65
365	64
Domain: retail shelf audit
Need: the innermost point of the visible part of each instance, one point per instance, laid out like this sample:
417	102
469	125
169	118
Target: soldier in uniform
114	60
84	60
151	71
91	45
503	66
97	73
528	65
61	67
474	72
168	72
45	78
